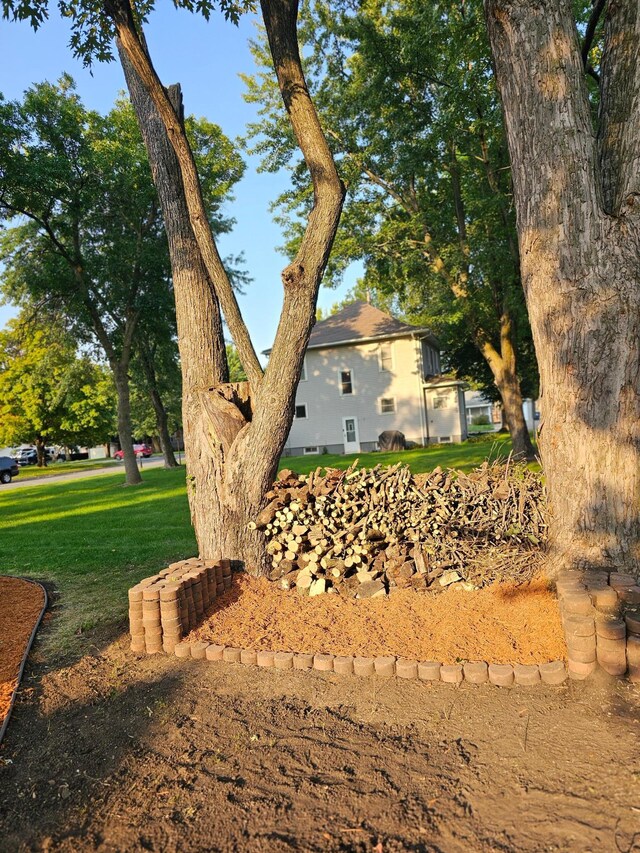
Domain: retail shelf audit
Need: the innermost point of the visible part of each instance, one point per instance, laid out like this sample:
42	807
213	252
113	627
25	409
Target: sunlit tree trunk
578	214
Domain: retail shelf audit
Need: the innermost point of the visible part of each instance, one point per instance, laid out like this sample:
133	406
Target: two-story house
366	372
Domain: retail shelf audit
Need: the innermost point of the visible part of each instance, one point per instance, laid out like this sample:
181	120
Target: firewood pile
365	532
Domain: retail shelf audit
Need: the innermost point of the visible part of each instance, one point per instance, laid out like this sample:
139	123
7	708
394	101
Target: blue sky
206	58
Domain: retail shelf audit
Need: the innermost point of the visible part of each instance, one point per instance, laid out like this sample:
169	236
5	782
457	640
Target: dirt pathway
115	753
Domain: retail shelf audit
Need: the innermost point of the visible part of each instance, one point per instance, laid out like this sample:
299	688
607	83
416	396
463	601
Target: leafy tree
234	433
419	138
83	228
577	198
48	394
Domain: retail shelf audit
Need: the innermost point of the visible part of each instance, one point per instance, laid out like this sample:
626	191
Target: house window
311	451
442	400
301	410
346	382
386	357
303	372
387	405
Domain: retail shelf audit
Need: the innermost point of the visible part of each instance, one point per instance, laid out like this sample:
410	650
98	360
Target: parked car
29	455
8	469
139	449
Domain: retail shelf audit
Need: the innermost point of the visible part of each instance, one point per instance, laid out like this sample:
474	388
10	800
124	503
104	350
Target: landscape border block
600	616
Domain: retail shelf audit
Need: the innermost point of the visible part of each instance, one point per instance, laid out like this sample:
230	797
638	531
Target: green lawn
94	538
464	456
31	472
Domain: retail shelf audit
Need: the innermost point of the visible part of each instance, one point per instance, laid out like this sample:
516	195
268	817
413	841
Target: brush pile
364	532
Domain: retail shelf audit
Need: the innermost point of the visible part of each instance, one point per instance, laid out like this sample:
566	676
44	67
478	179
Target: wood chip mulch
501	623
21	603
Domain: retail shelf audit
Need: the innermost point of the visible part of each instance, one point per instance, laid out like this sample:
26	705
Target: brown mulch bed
20	605
502	623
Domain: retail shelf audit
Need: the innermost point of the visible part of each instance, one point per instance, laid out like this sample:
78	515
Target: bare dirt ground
115	752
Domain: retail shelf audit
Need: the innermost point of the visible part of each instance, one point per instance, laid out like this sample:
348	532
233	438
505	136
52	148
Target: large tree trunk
579	233
233	435
125	434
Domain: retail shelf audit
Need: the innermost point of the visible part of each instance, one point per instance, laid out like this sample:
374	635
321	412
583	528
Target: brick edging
600	615
165	607
601	618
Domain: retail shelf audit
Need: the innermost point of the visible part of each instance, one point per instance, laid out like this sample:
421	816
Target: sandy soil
502	623
119	753
20	606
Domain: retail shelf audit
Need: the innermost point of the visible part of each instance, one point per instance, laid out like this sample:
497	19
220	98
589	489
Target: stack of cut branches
364	532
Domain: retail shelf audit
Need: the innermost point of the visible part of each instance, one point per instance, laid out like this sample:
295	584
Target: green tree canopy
48	393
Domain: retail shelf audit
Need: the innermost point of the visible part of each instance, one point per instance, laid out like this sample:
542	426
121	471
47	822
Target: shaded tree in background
419	139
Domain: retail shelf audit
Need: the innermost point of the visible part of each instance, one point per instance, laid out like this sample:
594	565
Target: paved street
114	468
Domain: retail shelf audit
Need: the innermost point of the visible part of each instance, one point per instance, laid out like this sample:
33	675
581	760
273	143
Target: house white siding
388	371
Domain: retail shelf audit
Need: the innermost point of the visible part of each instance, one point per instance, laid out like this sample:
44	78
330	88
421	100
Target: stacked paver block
166	606
601	618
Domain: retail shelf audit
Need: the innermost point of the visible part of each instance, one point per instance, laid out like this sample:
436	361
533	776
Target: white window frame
306	412
392	411
353	384
303	372
381	367
312	450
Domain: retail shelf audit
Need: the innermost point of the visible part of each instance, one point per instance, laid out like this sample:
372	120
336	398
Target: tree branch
596	13
120	12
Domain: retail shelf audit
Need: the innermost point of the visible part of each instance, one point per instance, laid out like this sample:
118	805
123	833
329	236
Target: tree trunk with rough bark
162	421
234	433
40	452
578	213
125	435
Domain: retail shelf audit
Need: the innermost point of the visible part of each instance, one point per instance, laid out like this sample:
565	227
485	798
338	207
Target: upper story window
303	372
346	382
301	410
387	405
385	355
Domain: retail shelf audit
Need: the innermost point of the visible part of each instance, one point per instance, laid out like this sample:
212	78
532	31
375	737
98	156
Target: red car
139	449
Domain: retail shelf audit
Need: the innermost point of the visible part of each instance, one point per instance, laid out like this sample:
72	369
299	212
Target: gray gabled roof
359	322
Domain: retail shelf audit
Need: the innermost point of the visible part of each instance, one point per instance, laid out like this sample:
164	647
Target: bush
480	420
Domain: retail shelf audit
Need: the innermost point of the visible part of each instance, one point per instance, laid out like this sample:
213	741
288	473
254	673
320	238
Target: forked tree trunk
121	378
233	436
579	233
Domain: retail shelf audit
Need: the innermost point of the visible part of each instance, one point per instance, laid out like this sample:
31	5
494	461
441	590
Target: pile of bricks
165	607
478	672
601	618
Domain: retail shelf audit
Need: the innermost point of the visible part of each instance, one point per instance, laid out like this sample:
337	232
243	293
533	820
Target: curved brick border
164	608
600	615
601	618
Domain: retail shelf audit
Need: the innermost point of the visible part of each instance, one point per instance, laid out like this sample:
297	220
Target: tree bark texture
121	378
162	422
234	433
579	234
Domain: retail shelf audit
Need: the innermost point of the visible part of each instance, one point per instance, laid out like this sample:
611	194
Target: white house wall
326	406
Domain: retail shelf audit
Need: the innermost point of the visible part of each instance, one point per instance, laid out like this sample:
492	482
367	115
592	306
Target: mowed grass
91	539
465	456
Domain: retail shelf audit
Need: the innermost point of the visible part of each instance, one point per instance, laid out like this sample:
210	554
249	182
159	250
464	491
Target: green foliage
419	140
47	391
92	30
236	370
